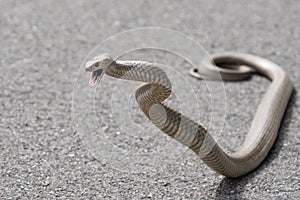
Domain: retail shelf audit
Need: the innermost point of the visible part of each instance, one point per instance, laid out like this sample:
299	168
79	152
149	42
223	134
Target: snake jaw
96	77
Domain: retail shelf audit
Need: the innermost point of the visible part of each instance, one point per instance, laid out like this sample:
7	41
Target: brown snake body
150	97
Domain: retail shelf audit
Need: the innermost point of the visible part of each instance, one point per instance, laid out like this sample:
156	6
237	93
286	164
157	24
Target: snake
157	88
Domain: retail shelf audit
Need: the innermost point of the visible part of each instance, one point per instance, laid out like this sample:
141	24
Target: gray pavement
43	44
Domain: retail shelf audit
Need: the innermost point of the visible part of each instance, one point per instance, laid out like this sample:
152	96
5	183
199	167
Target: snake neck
139	71
157	89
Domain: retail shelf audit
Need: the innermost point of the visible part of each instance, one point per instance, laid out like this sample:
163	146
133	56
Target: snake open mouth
96	77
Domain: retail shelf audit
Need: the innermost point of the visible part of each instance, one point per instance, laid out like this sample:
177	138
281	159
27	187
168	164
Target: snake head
97	67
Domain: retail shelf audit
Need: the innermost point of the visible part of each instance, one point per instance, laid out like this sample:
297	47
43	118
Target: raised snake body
264	127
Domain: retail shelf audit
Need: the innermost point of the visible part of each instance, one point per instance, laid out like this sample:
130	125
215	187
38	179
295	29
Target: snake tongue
96	77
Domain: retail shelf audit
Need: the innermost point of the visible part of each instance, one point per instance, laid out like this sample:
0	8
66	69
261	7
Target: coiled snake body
150	97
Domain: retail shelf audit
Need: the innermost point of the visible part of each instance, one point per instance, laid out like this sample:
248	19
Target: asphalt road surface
46	154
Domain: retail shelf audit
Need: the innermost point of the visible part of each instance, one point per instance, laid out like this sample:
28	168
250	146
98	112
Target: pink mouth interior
93	81
95	77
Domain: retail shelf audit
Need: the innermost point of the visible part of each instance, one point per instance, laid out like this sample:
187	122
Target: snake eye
96	64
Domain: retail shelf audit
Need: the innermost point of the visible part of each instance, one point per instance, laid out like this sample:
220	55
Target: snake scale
150	97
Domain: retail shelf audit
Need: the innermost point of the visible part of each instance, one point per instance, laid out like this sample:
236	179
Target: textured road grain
44	42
